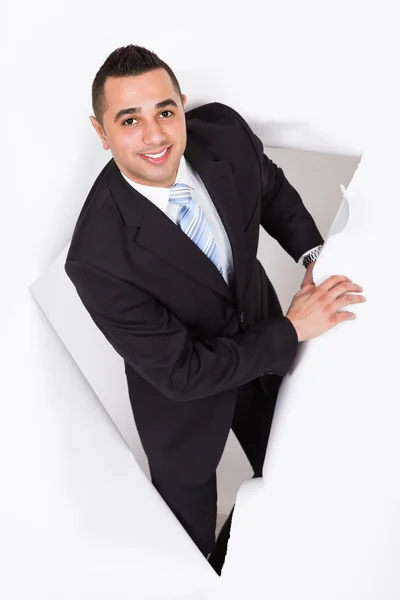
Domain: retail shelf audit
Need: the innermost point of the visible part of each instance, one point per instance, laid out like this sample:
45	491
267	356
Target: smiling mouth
157	157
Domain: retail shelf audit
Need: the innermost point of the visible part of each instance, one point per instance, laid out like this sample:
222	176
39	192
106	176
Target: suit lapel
160	236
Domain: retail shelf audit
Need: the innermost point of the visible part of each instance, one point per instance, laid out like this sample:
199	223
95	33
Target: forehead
140	90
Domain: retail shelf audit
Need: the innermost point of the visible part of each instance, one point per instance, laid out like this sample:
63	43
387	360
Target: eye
130	119
133	119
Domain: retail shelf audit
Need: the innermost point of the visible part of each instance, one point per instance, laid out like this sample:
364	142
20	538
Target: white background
310	75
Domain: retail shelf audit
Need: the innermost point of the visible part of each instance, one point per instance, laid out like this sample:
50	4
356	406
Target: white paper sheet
324	521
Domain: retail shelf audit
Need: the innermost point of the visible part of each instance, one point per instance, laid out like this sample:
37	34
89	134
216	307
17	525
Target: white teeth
157	155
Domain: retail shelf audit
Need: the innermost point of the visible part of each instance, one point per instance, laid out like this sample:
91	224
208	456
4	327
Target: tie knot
179	186
180	193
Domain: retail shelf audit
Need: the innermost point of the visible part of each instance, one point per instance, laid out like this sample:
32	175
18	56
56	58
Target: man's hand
314	309
308	277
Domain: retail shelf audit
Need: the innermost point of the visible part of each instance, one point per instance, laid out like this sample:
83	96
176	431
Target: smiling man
163	257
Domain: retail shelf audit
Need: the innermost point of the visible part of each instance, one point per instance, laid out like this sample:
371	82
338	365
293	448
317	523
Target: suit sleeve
163	351
283	214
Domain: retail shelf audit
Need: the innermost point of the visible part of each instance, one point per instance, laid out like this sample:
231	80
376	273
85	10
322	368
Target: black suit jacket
187	339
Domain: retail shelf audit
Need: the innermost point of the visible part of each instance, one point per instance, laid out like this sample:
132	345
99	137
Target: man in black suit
198	323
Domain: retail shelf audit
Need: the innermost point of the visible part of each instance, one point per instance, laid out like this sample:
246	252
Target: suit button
241	317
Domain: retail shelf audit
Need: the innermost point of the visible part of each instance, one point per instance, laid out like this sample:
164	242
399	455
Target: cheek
180	134
127	142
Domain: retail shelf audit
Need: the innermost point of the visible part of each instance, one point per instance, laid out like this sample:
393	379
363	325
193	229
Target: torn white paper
324	522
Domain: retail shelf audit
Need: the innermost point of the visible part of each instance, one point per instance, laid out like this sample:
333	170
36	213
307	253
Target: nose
153	136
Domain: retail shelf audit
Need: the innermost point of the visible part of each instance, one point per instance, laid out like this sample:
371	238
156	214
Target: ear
99	131
184	99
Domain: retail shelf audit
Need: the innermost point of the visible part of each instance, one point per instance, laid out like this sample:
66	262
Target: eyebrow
137	109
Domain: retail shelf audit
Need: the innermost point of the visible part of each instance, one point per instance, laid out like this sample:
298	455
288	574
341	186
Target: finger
343	316
344	287
307	288
347	299
332	281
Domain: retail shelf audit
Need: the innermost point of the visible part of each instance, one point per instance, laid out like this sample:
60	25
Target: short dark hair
124	62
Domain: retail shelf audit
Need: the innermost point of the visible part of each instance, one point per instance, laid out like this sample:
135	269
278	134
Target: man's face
134	125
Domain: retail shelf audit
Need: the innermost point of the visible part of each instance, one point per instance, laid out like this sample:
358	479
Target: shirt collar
160	195
185	174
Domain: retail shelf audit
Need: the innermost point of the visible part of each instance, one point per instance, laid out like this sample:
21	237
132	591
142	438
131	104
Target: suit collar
153	227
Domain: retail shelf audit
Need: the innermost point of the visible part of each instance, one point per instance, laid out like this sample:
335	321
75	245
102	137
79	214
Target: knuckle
346	286
339	278
349	287
323	303
347	299
356	298
326	308
340	289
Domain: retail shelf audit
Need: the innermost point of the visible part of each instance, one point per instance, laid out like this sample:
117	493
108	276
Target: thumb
306	288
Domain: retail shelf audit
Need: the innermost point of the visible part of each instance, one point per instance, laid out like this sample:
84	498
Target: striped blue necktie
193	222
